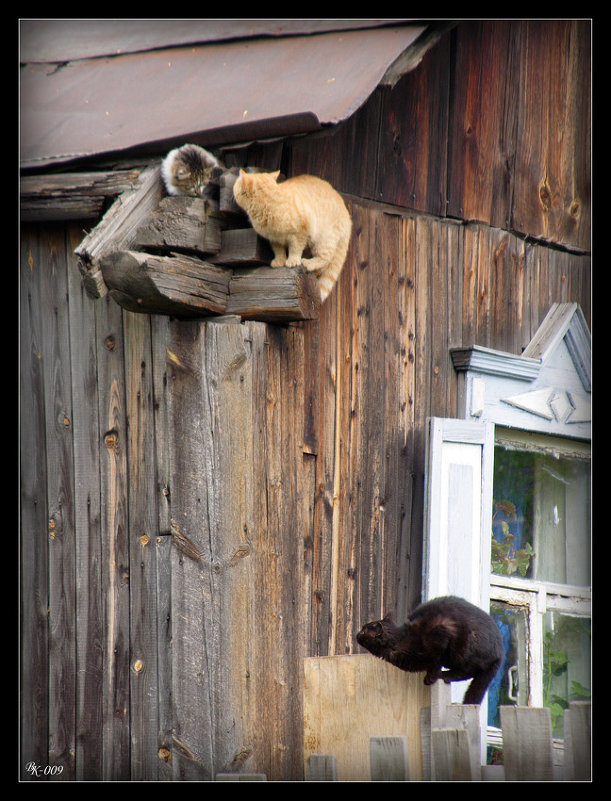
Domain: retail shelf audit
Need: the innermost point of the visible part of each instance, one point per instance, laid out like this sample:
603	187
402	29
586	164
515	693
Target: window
540	572
507	512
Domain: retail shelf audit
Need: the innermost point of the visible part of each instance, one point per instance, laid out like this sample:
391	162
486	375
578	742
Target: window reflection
566	664
541	516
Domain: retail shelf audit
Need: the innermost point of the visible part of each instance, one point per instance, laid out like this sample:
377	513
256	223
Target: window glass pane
541	514
510	685
566	664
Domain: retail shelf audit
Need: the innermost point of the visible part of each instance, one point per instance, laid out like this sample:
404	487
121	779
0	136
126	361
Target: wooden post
452	761
466	717
388	759
321	768
527	743
577	741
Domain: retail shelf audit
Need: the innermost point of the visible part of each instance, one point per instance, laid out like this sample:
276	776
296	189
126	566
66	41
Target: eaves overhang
214	94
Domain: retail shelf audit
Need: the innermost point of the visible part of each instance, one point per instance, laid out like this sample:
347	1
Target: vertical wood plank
578	742
89	599
60	499
467	717
321	768
527	743
388	759
413	138
114	484
160	326
192	597
143	523
34	633
451	760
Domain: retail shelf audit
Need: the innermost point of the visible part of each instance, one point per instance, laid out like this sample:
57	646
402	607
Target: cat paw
292	262
279	263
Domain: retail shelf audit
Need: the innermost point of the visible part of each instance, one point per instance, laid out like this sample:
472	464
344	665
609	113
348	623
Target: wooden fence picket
321	768
452	761
527	743
577	741
388	759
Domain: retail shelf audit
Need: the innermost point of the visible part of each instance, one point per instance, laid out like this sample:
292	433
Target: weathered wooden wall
205	504
493	126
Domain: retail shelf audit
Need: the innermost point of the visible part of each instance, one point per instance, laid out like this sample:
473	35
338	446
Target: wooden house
213	492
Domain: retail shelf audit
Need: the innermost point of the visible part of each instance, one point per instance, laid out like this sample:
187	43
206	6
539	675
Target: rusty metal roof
212	84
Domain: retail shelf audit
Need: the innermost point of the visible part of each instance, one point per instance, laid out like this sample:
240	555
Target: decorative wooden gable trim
546	389
181	256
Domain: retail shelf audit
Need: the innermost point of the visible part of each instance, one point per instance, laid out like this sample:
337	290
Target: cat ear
275	174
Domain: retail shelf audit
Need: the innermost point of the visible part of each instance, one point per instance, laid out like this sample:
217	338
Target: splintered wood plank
117	228
349	699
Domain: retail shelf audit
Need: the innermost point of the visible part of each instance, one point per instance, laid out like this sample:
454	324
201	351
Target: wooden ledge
185	286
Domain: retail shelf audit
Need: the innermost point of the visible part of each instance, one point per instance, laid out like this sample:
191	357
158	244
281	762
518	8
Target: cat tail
328	277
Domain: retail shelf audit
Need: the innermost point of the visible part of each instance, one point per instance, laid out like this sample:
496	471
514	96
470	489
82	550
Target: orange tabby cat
300	212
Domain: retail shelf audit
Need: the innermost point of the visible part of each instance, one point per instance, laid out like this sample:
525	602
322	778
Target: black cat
446	632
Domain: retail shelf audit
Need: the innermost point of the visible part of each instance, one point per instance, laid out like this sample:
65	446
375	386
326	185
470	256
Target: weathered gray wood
177	284
578	741
71	196
321	768
242	247
451	758
143	528
467	717
160	331
117	228
527	743
55	345
184	224
89	536
114	490
274	294
34	556
388	759
240	777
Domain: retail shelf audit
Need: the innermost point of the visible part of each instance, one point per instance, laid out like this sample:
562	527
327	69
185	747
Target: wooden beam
184	224
117	228
186	286
243	247
274	294
180	285
71	196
